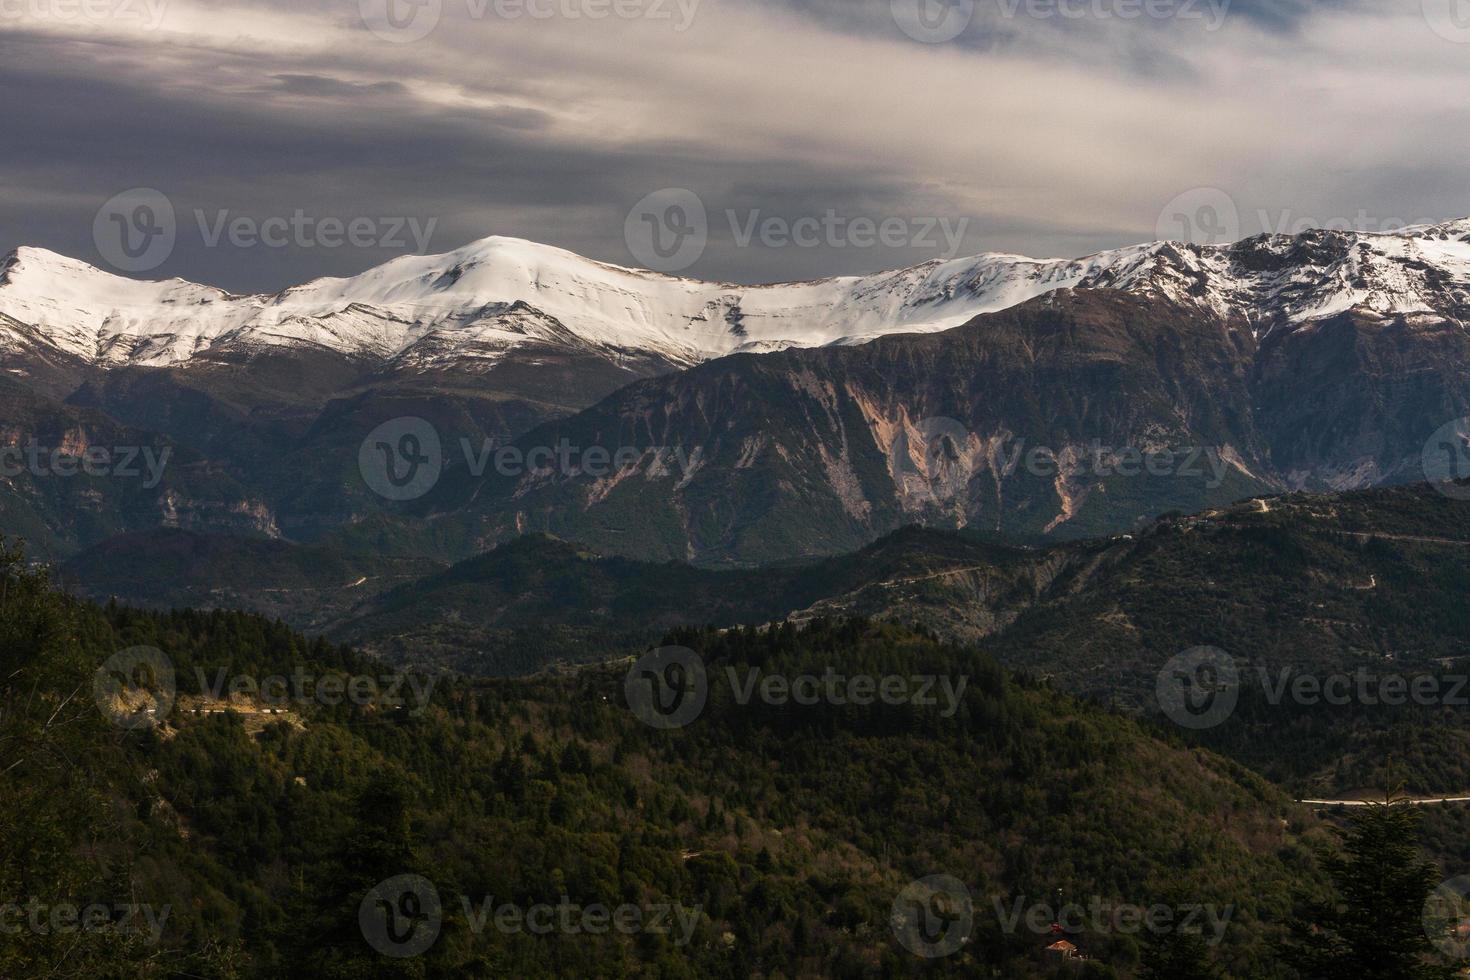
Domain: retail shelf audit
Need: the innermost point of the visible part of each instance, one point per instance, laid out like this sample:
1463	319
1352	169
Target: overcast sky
1029	127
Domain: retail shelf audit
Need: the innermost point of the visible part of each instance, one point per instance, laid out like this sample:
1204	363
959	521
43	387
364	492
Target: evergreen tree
1178	956
1374	930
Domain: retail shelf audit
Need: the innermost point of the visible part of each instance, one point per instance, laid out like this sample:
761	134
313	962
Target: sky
745	140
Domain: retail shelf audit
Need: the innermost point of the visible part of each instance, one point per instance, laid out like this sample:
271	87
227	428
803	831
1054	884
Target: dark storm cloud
1046	136
368	154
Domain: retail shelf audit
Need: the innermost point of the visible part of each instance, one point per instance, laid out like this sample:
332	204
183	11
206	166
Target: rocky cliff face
1079	413
70	476
1352	401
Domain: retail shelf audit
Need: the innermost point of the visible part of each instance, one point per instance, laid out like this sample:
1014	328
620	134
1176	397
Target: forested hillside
783	834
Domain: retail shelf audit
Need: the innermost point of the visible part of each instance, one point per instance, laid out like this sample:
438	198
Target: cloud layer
1056	127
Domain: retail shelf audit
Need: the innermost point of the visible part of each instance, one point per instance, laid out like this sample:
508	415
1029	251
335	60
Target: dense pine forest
249	835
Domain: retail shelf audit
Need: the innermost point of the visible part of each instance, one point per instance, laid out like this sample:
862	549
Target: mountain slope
1301	586
174	568
1022	422
996	425
492	614
1324	360
788	832
490	297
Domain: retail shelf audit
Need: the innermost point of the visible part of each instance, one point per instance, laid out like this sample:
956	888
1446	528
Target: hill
784	833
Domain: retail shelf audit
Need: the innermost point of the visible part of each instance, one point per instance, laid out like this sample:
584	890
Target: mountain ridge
484	300
1324	360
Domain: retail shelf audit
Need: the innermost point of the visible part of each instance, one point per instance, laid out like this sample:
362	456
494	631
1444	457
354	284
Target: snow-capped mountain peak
496	294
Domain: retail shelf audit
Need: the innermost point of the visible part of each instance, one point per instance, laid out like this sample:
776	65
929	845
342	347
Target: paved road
1366	535
1416	802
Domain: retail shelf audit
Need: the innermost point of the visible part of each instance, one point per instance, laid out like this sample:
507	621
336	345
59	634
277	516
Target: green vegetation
1375	925
1302	586
792	829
